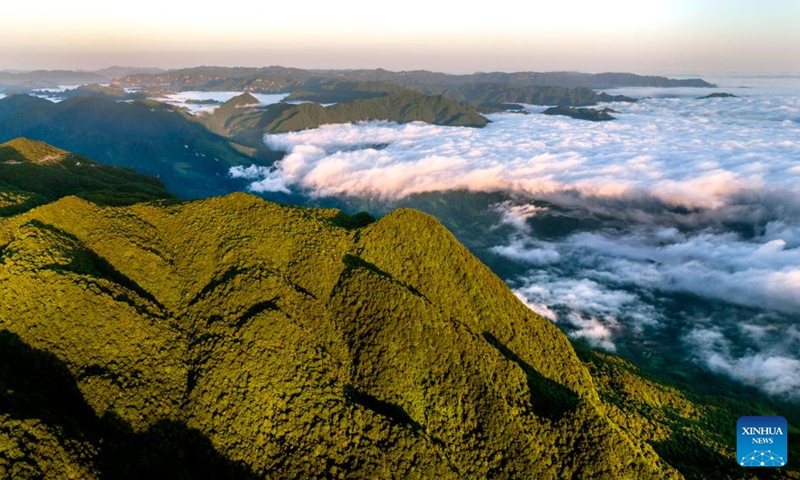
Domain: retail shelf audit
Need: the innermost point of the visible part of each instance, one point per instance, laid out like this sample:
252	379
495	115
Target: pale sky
655	36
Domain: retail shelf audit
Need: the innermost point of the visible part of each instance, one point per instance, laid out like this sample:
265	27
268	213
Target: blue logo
762	441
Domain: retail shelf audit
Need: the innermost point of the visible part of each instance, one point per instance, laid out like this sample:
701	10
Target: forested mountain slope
272	342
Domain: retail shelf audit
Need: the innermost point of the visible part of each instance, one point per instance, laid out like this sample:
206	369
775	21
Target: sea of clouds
706	194
684	151
612	282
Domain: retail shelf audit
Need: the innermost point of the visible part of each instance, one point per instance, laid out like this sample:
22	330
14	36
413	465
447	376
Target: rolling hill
401	107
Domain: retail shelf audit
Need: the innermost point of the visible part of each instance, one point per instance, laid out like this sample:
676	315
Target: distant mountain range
243	120
25	81
234	338
192	154
481	95
395	96
281	79
329	86
120	72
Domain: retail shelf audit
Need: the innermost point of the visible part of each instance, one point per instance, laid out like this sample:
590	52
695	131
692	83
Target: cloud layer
699	201
681	150
775	369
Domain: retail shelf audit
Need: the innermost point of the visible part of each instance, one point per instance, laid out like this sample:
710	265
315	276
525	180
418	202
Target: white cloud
591	310
757	273
597	333
607	280
516	215
774	370
677	181
657	147
268	179
540	309
517	250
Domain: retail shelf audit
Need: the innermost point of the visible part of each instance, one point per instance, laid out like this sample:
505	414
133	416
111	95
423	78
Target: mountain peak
395	330
22	149
245	99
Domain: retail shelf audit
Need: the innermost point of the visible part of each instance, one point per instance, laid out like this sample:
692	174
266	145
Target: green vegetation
487	97
110	92
482	90
23	150
488	94
693	432
282	79
23	82
240	120
717	95
337	90
34	173
271	342
237	338
402	107
202	101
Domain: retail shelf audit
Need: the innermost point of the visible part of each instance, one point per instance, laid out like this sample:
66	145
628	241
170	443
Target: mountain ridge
197	304
247	124
34	173
280	79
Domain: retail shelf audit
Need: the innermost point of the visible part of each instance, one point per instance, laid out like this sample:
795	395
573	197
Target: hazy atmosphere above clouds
658	36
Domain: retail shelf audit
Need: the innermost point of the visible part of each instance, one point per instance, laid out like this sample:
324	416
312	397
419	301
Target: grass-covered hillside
402	107
34	173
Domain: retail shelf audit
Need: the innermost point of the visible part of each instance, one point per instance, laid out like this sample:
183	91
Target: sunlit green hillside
34	173
286	345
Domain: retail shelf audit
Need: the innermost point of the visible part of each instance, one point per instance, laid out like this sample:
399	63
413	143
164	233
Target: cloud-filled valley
681	150
642	282
695	209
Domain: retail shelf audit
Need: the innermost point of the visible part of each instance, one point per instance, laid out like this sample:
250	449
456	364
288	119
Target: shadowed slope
148	136
49	431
